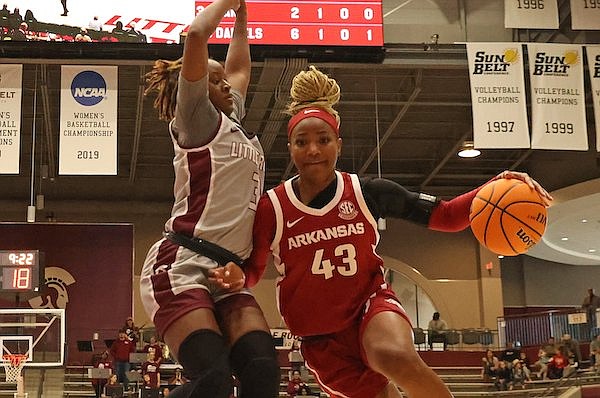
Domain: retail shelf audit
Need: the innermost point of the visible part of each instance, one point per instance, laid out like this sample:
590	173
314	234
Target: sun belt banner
11	77
585	14
557	97
531	14
88	120
498	95
593	58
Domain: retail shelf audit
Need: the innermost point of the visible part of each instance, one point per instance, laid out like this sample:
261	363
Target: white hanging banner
585	14
11	77
531	14
498	95
557	97
593	59
88	120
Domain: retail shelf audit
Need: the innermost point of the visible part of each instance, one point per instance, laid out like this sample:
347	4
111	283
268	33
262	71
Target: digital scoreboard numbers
20	270
333	23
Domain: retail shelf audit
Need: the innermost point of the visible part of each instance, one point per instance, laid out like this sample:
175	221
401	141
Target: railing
535	328
456	339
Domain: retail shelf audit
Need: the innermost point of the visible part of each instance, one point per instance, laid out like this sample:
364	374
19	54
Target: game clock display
298	22
20	270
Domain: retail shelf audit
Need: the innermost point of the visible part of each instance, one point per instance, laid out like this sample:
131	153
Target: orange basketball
508	217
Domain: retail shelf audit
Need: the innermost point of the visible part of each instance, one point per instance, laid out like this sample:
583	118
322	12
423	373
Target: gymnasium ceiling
403	118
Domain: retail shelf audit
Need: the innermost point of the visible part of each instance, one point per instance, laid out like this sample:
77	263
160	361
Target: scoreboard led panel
326	23
20	270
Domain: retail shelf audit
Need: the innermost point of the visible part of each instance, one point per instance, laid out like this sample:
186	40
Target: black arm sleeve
386	198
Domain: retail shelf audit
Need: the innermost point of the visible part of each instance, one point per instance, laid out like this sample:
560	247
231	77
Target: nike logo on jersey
290	224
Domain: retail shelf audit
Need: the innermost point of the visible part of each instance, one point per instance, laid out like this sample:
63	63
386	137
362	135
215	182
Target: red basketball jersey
326	258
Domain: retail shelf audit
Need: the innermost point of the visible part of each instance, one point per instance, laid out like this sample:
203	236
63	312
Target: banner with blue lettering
11	77
531	14
88	120
585	14
557	97
498	95
593	59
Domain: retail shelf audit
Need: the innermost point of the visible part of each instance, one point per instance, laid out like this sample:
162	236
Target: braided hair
314	88
163	79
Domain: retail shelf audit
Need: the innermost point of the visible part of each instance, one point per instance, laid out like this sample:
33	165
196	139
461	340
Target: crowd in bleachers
17	27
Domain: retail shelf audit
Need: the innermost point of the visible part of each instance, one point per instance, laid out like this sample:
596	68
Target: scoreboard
301	22
20	270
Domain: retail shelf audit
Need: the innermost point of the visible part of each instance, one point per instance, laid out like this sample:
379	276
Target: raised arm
237	63
195	49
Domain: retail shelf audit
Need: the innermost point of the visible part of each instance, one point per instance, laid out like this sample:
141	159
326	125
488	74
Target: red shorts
339	361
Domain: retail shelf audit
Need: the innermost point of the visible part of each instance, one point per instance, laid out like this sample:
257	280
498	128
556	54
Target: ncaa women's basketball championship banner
498	95
10	118
593	58
557	97
532	14
88	120
585	14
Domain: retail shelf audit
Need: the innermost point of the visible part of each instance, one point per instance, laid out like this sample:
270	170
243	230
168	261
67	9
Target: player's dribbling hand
230	277
533	184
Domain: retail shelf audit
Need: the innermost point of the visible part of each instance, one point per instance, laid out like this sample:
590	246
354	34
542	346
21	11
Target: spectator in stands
178	378
120	350
296	384
510	353
4	12
503	376
151	368
590	304
595	352
21	33
558	363
95	24
541	365
15	19
519	376
295	356
141	38
83	36
524	360
100	361
132	331
118	29
437	328
490	366
64	6
573	350
156	347
166	391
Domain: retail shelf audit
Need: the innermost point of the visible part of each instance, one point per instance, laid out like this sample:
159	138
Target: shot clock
20	270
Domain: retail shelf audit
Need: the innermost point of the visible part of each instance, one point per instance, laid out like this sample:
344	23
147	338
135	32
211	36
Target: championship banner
531	14
593	59
498	95
557	97
585	14
11	77
88	120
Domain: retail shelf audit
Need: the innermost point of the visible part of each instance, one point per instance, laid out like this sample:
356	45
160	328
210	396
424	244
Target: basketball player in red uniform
219	174
321	229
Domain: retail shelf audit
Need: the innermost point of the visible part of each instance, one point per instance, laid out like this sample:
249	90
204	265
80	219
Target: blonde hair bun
313	88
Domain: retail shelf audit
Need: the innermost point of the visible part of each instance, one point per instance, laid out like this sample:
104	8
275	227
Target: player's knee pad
205	360
254	361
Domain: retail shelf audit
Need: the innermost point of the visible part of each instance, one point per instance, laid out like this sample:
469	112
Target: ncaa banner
88	120
498	95
593	59
11	77
585	14
531	14
557	97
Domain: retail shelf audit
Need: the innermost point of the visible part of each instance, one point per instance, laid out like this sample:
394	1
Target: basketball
508	217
